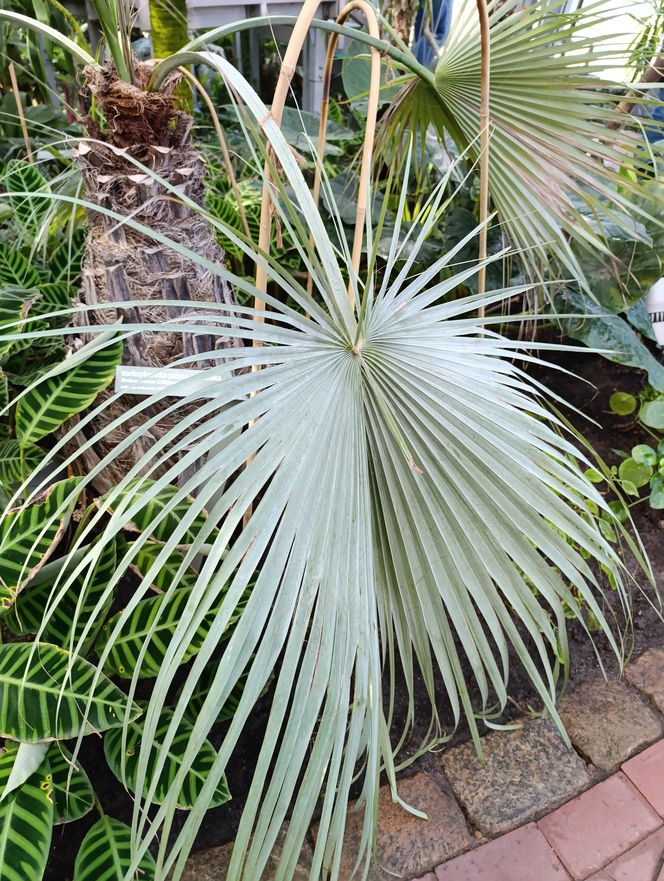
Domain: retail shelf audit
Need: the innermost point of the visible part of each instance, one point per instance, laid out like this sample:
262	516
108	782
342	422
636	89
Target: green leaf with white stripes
82	601
15	306
56	399
167	572
16	270
155	513
17	462
202	689
106	855
48	694
124	763
149	629
73	796
30	534
25	183
26	823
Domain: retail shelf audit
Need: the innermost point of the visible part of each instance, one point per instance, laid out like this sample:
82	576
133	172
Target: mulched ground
591	398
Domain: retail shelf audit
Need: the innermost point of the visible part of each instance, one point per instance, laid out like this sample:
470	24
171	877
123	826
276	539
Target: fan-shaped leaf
106	855
150	628
30	534
26	823
124	763
57	398
202	688
72	791
46	694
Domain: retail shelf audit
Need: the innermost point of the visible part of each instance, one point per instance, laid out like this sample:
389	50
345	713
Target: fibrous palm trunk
123	264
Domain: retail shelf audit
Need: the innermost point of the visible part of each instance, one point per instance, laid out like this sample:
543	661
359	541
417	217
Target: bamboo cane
19	110
485	39
369	136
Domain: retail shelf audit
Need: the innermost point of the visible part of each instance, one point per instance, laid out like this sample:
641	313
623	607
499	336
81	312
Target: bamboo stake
21	115
228	165
485	39
369	135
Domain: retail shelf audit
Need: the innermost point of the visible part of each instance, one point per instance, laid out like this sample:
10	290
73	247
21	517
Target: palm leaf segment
557	138
409	490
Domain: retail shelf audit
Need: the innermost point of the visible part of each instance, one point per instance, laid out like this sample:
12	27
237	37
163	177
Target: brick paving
594	812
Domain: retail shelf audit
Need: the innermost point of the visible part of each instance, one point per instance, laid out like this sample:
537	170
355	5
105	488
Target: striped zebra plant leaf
124	763
154	514
17	462
15	305
56	399
141	645
73	796
66	260
30	534
47	694
168	572
106	855
26	823
4	390
202	688
74	609
21	181
16	270
26	758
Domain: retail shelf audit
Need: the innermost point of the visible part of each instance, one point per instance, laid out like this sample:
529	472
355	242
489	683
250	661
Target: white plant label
154	380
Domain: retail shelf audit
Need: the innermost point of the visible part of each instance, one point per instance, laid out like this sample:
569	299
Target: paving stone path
537	810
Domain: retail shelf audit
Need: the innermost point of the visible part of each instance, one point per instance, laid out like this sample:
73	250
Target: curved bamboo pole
369	135
485	39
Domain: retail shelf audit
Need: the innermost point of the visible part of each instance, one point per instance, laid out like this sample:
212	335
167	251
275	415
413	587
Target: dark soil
612	432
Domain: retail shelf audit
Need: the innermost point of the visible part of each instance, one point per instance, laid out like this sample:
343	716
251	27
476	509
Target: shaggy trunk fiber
122	264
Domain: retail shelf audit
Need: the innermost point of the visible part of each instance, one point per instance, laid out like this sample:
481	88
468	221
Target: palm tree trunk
123	264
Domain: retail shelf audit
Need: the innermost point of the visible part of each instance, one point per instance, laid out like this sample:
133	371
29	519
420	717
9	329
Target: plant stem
19	110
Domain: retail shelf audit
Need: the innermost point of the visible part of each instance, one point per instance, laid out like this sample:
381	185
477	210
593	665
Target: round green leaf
637	474
46	694
196	775
619	510
643	454
593	475
652	414
657	497
622	404
106	854
72	791
660	449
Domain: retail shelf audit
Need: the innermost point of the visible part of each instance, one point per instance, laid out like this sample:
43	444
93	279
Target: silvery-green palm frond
412	498
558	141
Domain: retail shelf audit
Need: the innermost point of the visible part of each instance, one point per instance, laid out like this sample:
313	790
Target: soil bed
612	432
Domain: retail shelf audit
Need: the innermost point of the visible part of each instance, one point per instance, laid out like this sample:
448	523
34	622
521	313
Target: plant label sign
155	380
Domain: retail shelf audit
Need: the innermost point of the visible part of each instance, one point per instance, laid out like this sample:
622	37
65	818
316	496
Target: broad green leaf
15	306
157	515
56	399
150	628
72	791
634	472
65	261
106	855
657	498
123	762
46	694
75	608
202	689
356	76
30	534
622	403
27	758
652	414
17	462
26	823
165	575
644	455
609	333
